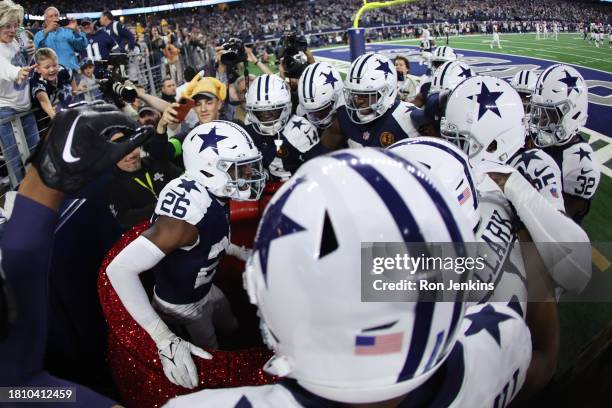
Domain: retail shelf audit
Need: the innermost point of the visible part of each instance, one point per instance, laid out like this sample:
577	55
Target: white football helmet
449	75
441	55
449	164
222	156
268	104
524	83
319	89
485	117
559	106
370	87
312	314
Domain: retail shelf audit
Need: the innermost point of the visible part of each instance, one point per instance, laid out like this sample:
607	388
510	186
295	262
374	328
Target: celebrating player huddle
470	159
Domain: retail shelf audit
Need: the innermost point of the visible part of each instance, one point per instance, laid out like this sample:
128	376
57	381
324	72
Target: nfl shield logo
366	135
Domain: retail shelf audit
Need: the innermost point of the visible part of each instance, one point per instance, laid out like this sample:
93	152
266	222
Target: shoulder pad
183	199
581	172
268	396
401	114
497	331
301	134
541	170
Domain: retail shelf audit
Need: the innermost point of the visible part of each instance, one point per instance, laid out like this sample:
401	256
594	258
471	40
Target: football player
559	108
488	211
320	94
187	238
440	56
485	116
76	150
449	75
495	40
524	83
330	348
372	115
426	46
286	141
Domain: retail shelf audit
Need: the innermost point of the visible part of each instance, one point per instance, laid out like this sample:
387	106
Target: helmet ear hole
492	148
207	174
329	242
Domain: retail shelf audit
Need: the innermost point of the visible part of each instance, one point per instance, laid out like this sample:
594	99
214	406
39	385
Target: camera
111	84
233	54
291	49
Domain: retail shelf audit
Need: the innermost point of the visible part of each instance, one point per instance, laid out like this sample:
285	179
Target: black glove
78	146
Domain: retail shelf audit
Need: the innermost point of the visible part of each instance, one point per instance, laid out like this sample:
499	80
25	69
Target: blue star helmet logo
487	101
384	67
330	79
210	139
465	72
570	81
275	225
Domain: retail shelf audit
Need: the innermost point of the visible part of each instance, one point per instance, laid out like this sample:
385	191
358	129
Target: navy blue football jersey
395	124
185	275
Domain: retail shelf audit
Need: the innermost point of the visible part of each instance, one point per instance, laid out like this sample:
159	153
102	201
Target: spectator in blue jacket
64	41
119	33
100	43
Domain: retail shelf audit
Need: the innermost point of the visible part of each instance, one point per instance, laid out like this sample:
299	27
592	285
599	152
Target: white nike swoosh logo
67	154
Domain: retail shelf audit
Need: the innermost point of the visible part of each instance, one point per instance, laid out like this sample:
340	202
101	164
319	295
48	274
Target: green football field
579	321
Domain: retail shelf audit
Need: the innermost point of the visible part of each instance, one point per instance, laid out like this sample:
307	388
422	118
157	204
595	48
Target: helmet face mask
365	105
269	120
246	179
546	123
370	88
559	106
323	116
268	104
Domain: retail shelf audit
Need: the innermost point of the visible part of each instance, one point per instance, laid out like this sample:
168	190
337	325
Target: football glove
175	355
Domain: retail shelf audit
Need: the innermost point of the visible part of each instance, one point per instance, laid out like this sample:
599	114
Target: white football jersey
541	170
503	260
486	368
301	136
183	199
581	173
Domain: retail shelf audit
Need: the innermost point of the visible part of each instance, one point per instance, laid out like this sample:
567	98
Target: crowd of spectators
165	44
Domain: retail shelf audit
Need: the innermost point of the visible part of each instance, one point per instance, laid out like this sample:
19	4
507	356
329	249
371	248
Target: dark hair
189	73
108	15
401	58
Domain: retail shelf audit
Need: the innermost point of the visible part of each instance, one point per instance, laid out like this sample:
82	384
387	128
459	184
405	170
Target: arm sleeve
38	37
78	41
8	72
140	255
564	247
